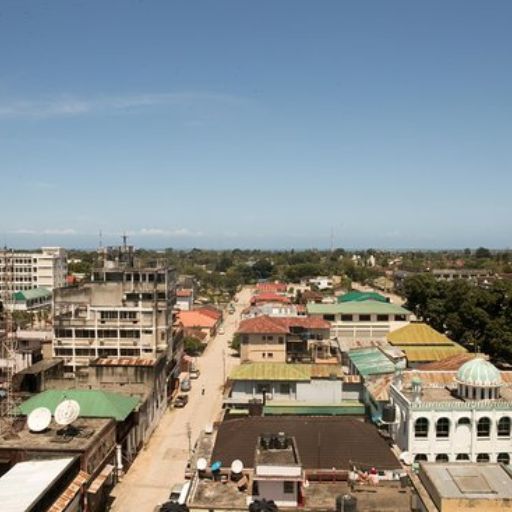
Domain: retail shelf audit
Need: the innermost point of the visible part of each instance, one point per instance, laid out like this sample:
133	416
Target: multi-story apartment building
28	270
124	311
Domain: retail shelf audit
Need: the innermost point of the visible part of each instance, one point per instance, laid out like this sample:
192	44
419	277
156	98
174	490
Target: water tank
282	441
388	413
346	503
266	441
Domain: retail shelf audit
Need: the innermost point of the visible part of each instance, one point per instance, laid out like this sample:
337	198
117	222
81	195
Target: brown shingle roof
323	442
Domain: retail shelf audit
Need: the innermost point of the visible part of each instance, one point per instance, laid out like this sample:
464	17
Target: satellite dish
39	419
237	466
202	464
406	458
67	412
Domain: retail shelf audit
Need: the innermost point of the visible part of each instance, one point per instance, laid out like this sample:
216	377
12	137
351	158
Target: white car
221	330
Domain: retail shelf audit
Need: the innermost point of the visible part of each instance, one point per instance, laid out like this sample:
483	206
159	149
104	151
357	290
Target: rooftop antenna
125	238
101	239
332	239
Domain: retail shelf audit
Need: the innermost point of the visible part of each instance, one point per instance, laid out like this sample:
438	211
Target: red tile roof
280	325
210	311
196	318
271	287
269	297
452	363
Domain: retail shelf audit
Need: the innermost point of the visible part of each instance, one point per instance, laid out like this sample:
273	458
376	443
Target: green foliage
469	314
193	346
235	343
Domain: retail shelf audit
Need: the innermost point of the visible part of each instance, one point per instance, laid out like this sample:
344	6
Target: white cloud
178	232
50	231
70	106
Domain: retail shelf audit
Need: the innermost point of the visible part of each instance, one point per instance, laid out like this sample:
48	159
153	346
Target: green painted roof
479	372
371	361
271	371
354	307
358	296
346	407
34	293
93	404
284	371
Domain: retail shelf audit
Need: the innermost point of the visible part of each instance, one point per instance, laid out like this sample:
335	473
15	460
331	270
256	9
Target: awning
100	479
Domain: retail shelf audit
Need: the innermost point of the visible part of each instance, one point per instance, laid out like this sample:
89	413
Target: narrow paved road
162	463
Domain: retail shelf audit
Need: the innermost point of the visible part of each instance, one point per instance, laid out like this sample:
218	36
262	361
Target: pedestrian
202	390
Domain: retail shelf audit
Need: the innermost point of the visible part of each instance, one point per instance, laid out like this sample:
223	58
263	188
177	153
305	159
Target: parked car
185	385
176	493
194	373
181	401
221	330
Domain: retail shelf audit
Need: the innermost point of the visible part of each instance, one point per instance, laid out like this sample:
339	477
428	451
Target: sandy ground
162	462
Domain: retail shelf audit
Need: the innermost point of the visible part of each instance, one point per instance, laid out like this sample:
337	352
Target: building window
442	457
270	355
462	456
270	338
346	318
245	339
288	487
420	457
503	458
504	427
483	428
329	318
365	318
464	421
482	457
443	427
382	318
421	427
400	318
280	339
284	388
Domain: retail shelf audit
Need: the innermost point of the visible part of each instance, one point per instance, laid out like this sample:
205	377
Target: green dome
479	372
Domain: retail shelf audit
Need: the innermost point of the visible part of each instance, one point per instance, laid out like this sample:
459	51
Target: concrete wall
274	490
258	348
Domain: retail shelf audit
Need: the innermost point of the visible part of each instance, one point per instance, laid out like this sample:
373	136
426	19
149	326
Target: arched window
421	427
504	427
482	457
462	456
442	457
443	427
420	457
483	427
504	458
464	421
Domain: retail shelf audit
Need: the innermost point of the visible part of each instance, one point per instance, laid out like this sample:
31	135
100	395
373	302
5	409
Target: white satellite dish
237	466
39	419
202	464
67	412
406	458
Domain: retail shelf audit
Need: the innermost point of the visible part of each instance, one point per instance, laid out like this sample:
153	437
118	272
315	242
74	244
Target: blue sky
256	124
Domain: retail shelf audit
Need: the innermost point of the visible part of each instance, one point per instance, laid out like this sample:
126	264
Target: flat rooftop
386	497
89	430
322	442
466	481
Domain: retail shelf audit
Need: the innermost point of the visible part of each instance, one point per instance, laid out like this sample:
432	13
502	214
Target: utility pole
189	436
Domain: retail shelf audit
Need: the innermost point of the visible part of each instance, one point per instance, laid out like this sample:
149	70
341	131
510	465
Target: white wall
273	490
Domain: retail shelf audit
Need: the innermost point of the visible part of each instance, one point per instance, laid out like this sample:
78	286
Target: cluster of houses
359	363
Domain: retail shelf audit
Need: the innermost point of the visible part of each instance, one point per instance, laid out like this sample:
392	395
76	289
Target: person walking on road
202	390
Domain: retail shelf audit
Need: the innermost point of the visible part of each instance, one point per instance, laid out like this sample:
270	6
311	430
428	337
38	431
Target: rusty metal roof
69	494
124	361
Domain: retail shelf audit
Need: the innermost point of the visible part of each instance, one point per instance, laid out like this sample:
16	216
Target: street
161	464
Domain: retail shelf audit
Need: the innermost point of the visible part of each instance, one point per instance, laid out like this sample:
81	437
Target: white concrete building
27	270
448	416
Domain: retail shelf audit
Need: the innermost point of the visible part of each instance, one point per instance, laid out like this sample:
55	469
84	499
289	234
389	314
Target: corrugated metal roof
284	371
416	354
24	483
371	361
418	333
69	494
360	296
93	404
452	363
366	307
34	293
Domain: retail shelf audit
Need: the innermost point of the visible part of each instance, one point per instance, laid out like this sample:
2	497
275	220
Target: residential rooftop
280	325
418	333
358	296
353	307
322	442
285	371
371	361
